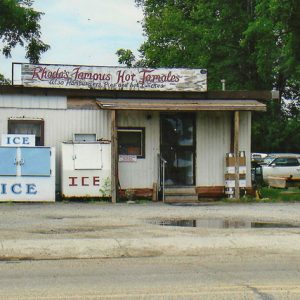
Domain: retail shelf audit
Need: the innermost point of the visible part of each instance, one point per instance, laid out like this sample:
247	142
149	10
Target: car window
286	162
268	159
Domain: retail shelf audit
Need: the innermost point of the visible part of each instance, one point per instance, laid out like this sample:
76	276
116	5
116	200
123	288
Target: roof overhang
181	105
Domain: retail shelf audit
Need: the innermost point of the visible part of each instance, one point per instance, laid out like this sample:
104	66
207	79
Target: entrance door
177	147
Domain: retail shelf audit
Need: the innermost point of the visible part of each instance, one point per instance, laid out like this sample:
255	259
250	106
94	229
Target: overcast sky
84	32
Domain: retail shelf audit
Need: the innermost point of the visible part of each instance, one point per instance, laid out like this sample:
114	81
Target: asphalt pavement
103	230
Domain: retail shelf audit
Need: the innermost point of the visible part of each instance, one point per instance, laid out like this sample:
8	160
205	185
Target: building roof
142	100
181	105
135	94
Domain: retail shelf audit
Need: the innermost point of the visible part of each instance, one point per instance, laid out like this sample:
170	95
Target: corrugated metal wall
33	101
213	136
143	173
213	142
60	125
245	142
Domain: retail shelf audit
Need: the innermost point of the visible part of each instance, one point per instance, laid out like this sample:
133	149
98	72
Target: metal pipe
223	81
158	175
163	180
161	175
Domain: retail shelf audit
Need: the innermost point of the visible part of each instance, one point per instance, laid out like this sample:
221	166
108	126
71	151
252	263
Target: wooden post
114	156
236	154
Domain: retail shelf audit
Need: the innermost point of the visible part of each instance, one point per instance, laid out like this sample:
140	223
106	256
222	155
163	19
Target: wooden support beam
114	157
236	153
232	132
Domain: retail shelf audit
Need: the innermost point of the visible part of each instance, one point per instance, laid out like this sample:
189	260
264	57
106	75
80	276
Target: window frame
40	122
143	139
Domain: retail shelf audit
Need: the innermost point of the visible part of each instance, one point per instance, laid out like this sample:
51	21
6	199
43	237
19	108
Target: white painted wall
213	142
33	101
213	136
60	125
213	131
142	173
245	142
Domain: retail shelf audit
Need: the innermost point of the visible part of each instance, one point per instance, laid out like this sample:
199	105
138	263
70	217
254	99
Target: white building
191	130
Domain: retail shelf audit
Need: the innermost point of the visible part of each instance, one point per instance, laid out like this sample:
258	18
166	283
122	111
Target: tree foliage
126	57
4	81
253	44
19	25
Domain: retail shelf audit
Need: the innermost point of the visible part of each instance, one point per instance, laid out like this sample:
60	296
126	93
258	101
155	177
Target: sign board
113	78
21	140
127	158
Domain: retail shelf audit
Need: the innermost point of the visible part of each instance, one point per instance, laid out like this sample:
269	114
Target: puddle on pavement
224	223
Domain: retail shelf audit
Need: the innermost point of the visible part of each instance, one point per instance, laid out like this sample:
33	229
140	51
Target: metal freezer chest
27	174
86	169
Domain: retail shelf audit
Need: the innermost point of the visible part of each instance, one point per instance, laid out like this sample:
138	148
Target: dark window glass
286	162
131	141
35	127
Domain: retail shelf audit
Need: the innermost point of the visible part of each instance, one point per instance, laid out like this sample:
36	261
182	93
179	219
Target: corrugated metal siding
60	125
245	142
143	173
33	101
213	135
213	142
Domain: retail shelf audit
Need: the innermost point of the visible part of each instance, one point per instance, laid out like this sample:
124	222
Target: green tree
275	34
207	34
126	57
19	25
4	81
253	44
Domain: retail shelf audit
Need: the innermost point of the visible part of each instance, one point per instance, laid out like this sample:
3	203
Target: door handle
22	162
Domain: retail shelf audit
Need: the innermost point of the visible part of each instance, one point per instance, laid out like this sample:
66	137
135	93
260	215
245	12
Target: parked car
281	165
258	157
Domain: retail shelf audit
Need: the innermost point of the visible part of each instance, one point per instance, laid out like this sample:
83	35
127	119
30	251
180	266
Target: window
85	137
286	162
131	141
36	127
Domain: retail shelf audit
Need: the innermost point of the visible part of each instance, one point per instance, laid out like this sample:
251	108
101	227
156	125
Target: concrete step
180	191
179	198
181	195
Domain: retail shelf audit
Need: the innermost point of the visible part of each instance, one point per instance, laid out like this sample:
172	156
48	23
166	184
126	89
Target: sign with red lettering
84	181
113	78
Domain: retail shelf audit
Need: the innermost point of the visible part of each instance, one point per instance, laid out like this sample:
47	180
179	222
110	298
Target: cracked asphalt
96	230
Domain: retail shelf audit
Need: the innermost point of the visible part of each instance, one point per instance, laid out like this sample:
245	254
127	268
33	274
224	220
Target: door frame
193	147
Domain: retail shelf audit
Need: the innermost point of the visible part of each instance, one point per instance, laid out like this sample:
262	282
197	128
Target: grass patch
281	195
267	194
